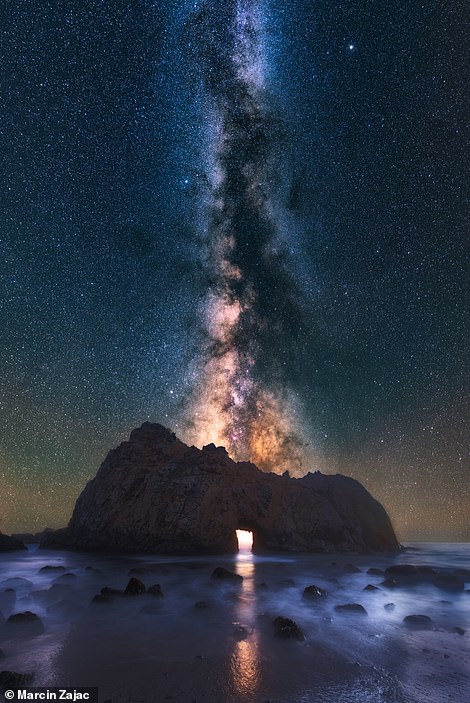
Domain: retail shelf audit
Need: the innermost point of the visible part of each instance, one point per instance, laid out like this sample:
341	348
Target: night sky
248	213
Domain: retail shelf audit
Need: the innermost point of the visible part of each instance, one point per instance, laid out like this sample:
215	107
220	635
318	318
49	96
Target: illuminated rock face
155	494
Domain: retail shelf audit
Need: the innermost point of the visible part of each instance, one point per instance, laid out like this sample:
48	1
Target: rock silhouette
155	494
10	544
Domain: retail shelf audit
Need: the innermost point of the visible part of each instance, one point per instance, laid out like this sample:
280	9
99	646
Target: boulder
155	590
402	571
389	583
314	592
108	591
222	574
370	587
352	569
419	622
287	629
135	587
449	581
102	598
409	575
27	624
64	578
107	595
351	608
155	494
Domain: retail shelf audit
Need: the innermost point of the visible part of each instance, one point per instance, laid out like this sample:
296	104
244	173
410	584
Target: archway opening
245	540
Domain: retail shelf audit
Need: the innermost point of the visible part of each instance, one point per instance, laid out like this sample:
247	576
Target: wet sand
224	649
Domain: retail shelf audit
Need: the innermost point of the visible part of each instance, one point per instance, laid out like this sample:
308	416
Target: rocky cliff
156	494
10	544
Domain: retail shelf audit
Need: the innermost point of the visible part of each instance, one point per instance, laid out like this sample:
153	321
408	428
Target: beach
207	640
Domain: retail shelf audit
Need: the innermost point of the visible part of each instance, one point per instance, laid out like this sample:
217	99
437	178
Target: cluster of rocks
156	494
135	587
405	575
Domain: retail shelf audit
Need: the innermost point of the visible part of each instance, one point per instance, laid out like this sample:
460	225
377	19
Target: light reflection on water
245	660
94	644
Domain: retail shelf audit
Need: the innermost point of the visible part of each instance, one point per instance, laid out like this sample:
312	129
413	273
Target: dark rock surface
352	569
102	598
421	622
287	629
135	587
107	591
409	575
389	583
10	544
351	608
155	494
314	592
26	623
222	574
155	590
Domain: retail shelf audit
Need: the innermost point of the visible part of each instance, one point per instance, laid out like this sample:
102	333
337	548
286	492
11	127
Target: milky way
241	399
220	217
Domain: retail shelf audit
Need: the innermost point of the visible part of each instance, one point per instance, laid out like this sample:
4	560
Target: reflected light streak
245	662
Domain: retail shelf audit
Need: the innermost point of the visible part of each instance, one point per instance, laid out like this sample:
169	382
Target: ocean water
207	641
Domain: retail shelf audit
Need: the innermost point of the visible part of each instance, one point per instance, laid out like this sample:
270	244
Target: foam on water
225	648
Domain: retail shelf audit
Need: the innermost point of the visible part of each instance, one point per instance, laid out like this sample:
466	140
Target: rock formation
155	494
10	544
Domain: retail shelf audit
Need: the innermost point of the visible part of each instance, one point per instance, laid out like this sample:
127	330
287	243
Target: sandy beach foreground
211	640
